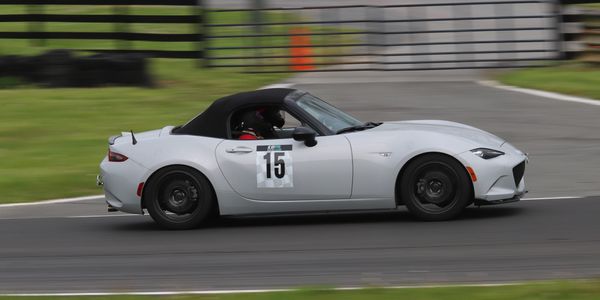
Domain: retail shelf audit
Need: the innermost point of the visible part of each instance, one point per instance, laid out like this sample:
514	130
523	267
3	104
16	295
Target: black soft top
213	122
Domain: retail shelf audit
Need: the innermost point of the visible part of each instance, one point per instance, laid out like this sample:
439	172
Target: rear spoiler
112	139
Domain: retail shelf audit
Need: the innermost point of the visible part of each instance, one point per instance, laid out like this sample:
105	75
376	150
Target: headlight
486	153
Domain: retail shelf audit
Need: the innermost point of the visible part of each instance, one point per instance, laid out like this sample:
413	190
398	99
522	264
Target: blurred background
73	72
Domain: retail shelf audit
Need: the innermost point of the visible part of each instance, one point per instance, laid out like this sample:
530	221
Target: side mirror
305	134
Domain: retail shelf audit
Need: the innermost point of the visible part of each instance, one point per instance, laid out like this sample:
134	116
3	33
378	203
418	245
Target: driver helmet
260	122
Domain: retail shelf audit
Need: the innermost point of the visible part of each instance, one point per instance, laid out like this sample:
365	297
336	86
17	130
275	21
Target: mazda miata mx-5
287	151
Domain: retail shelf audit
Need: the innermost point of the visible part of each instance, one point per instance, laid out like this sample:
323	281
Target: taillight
116	157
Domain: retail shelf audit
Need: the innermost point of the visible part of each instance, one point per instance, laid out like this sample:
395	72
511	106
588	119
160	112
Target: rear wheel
436	187
179	198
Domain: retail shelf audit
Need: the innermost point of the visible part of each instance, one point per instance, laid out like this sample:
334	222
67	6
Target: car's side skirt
242	206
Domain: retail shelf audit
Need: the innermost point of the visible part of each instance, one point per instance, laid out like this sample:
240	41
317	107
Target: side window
262	122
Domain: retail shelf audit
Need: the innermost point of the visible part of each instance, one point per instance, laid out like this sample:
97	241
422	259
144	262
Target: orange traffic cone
300	50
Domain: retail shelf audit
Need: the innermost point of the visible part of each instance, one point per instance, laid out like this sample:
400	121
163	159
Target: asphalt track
528	240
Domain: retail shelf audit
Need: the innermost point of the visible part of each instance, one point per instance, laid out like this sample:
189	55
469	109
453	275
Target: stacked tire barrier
572	30
591	36
61	68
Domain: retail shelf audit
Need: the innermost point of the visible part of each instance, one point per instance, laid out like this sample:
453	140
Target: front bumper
499	180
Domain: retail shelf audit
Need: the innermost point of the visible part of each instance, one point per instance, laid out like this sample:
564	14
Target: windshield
331	117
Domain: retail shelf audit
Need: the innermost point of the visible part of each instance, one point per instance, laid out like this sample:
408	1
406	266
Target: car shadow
358	217
400	216
488	212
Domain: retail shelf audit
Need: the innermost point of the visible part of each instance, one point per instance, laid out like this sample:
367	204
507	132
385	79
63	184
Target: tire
436	187
179	198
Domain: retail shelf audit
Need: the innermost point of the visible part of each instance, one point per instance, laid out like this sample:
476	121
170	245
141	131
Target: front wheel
179	198
436	187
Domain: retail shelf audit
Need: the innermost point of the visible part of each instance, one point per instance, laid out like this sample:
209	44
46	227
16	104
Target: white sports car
285	150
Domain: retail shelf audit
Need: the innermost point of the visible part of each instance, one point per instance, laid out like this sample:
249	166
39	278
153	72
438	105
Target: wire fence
422	36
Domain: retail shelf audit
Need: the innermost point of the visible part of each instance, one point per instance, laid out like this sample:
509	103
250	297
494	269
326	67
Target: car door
285	169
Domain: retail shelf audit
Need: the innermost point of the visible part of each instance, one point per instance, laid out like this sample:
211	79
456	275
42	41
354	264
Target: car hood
466	132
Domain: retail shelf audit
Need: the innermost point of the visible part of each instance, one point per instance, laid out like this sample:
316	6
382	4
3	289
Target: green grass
52	140
591	5
571	79
10	82
570	290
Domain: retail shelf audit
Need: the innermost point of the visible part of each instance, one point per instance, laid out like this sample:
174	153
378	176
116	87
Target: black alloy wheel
436	187
179	198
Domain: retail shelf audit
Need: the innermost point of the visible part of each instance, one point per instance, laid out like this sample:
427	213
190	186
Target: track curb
255	291
539	93
54	201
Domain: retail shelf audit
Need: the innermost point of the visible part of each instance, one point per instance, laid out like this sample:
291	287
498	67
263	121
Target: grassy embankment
591	5
52	140
571	79
566	290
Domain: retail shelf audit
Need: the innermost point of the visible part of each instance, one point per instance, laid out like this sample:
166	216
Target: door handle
238	150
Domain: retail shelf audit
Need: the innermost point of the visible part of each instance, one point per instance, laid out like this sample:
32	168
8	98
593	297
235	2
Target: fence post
37	26
257	18
257	15
122	41
202	12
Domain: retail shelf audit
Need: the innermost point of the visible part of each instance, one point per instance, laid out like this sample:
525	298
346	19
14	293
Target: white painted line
550	95
165	293
69	217
55	201
552	198
116	214
253	291
277	86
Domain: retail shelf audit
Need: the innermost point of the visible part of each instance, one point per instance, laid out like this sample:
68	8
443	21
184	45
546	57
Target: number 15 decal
274	166
278	167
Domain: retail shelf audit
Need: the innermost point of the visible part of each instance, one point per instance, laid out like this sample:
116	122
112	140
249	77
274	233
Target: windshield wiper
367	125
